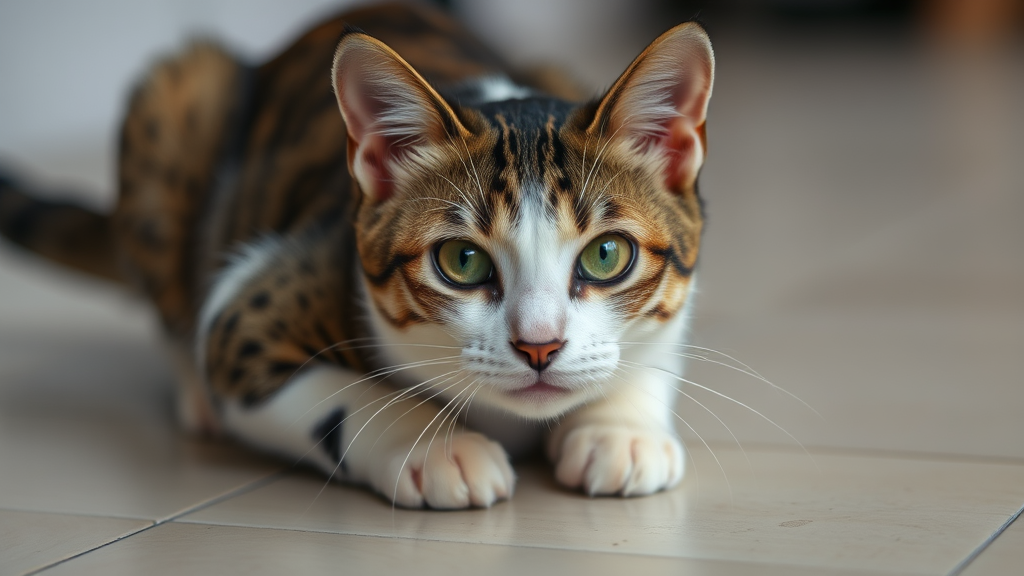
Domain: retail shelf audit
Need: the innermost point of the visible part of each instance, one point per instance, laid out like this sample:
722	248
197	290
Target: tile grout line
984	545
259	483
886	453
520	545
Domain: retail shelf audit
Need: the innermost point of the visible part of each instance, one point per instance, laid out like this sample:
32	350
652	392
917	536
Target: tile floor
863	252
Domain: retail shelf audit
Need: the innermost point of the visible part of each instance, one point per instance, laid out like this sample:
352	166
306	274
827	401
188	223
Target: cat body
454	246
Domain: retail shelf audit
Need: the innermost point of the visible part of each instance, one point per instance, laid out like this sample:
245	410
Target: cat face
508	247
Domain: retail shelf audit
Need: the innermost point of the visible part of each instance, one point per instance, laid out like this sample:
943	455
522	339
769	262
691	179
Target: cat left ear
659	104
393	116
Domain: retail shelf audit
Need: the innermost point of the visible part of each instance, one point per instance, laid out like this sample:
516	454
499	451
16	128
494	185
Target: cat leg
622	444
194	408
360	431
273	357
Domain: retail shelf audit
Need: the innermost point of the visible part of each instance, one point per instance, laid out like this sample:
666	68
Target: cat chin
536	402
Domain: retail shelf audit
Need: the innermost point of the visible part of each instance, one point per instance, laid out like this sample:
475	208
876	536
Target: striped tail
61	231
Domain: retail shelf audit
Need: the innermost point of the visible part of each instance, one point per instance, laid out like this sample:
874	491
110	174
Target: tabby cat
489	254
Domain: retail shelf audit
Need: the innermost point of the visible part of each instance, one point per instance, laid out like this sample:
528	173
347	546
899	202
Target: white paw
466	470
608	459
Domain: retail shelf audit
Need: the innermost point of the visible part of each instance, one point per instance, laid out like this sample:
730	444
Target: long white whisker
746	457
381	373
697	434
451	427
729	398
351	442
421	403
416	442
392	398
742	368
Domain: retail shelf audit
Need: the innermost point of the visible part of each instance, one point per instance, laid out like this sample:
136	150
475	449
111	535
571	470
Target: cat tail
58	230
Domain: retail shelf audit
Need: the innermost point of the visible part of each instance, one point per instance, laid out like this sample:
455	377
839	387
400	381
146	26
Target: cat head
512	246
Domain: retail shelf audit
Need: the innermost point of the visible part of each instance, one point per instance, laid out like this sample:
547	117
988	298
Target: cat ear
659	104
394	118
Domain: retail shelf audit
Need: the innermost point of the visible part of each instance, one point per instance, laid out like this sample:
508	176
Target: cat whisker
450	409
476	175
729	398
382	372
404	414
597	160
338	346
687	424
415	443
451	427
739	444
393	398
352	442
408	392
742	368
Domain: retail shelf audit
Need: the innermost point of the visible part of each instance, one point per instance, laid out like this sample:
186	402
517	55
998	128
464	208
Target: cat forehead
525	171
534	113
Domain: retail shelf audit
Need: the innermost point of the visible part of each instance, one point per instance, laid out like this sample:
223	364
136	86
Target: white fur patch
500	88
246	264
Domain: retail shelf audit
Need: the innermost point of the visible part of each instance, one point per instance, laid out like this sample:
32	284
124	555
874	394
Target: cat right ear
658	106
395	120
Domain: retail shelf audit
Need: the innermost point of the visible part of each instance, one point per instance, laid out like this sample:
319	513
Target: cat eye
605	258
464	263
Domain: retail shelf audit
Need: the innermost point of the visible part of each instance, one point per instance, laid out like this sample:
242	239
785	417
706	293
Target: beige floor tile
859	512
86	423
895	380
196	549
1005	555
32	540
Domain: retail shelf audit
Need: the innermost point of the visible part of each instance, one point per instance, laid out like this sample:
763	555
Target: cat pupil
464	255
604	251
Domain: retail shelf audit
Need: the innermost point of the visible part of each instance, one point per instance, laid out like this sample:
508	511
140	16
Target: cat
456	267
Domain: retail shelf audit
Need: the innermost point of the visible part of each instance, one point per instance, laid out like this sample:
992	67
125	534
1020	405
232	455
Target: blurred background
865	245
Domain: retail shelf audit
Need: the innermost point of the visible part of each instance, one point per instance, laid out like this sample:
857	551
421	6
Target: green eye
605	258
464	263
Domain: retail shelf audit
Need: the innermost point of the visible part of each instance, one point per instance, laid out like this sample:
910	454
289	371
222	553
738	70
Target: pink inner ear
678	145
372	167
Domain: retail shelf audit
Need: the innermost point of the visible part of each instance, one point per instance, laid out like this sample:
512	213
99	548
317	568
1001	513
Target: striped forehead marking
528	159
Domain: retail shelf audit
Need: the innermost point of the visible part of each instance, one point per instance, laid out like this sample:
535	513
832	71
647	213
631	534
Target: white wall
66	67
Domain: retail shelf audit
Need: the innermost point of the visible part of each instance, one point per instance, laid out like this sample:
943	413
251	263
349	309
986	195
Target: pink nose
538	356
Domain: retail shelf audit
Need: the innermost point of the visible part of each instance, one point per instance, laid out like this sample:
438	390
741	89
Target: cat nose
538	356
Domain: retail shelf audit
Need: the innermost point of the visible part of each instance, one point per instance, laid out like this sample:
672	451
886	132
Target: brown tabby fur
214	154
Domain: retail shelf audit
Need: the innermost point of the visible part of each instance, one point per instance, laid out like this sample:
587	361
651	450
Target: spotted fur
293	249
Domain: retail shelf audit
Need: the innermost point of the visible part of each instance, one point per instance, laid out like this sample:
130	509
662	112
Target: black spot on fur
250	348
302	300
328	433
236	375
260	300
557	151
612	210
250	399
284	368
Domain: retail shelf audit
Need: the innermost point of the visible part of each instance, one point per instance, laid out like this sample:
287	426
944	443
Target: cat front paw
615	459
467	470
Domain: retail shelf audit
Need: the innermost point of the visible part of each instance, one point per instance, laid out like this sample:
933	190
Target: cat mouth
539	391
